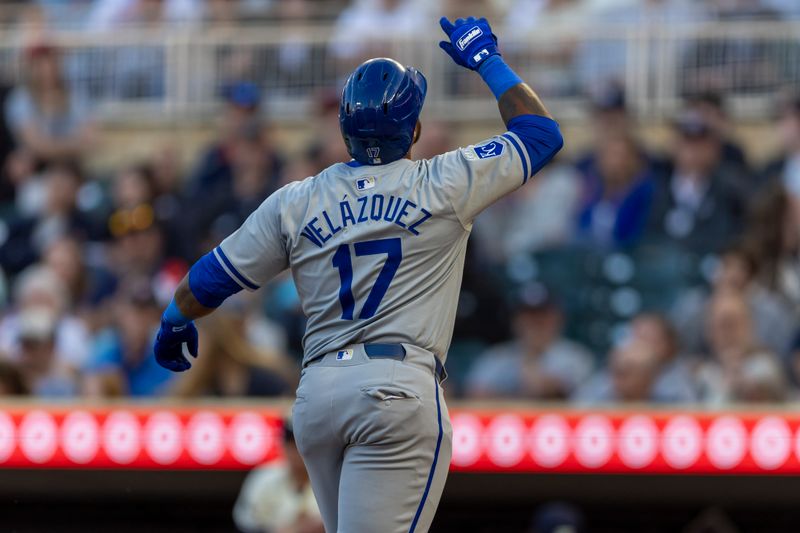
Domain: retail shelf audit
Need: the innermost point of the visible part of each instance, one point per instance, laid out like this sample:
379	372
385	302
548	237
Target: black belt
398	352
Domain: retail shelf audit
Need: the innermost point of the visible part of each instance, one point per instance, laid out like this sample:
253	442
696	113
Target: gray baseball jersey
377	252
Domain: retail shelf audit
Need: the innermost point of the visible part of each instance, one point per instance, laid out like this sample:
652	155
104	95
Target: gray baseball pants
371	424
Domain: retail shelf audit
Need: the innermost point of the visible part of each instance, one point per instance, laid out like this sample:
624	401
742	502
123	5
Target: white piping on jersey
231	274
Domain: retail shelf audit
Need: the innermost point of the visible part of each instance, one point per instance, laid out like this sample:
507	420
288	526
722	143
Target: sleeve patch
489	149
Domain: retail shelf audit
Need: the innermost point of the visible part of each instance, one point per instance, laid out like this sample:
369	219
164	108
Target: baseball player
376	247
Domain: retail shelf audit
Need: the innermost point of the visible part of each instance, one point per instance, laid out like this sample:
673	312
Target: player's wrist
498	75
174	316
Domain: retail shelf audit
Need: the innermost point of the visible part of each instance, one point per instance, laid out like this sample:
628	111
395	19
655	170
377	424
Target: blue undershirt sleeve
209	282
541	139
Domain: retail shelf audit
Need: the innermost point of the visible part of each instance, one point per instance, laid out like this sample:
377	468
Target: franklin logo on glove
471	35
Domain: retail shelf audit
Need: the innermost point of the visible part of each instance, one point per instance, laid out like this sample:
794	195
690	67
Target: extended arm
188	304
198	294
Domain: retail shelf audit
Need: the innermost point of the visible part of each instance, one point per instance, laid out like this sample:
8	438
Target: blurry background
654	263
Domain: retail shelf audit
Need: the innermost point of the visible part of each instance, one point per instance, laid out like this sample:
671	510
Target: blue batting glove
471	41
168	347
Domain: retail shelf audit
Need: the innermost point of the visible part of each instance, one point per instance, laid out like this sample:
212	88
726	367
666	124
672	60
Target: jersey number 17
342	260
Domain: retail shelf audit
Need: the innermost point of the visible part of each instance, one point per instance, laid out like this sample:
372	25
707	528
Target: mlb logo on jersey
490	149
344	355
363	184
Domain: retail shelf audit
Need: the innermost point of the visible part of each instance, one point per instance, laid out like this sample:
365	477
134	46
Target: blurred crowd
622	274
103	14
565	47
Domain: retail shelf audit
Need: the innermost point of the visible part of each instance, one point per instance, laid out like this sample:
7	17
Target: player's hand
168	347
471	41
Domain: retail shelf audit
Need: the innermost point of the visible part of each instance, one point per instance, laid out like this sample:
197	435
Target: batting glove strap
471	41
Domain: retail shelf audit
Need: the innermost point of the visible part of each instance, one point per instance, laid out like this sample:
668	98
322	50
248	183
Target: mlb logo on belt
363	184
344	355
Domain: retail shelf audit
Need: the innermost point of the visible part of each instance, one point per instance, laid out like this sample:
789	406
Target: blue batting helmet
381	102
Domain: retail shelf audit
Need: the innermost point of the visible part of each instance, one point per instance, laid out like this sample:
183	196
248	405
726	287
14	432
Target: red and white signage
134	437
560	441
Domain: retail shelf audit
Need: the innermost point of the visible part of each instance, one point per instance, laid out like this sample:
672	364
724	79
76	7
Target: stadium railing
179	73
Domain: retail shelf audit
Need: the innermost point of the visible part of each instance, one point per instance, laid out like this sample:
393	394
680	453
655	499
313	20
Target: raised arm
472	45
520	100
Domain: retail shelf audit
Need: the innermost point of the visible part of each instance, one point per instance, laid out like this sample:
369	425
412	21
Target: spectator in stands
239	356
711	107
138	247
30	185
633	369
38	292
731	341
773	236
53	212
609	118
11	380
794	361
368	27
164	165
674	381
45	116
774	319
108	15
133	186
762	379
786	167
558	25
7	147
255	174
539	216
122	362
698	204
44	373
327	147
482	314
646	365
539	363
558	517
277	497
89	286
63	257
239	162
617	195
